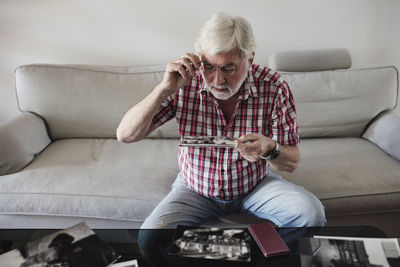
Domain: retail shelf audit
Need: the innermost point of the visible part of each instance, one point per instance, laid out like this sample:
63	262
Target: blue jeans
274	199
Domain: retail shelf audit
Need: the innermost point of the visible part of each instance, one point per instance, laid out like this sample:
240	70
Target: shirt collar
247	89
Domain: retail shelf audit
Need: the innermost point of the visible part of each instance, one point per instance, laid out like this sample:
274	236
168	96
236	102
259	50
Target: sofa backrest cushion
81	101
341	103
310	60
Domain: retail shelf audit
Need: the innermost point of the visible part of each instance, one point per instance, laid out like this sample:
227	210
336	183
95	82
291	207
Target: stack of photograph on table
212	243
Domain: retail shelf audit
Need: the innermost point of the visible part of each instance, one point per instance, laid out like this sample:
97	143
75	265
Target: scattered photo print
331	252
77	246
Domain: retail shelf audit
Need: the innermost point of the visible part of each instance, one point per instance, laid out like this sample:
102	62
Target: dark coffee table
124	242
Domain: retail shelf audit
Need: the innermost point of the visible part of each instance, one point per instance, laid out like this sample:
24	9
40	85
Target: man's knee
300	211
162	221
171	219
307	211
156	222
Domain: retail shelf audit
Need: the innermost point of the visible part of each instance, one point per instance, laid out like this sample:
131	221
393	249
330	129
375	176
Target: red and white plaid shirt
265	105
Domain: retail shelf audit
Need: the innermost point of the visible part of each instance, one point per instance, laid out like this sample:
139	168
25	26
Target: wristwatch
273	154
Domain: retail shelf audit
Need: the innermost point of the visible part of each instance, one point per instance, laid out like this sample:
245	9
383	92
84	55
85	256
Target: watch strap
273	154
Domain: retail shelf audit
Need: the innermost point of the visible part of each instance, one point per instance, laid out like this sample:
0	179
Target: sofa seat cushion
93	178
349	175
99	178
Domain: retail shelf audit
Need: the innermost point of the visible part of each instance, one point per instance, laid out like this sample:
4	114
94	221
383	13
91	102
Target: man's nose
218	77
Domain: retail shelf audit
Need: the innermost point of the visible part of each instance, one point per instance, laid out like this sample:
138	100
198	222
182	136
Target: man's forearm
253	146
288	159
137	121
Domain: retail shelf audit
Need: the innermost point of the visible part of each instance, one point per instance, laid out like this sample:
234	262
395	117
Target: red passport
268	239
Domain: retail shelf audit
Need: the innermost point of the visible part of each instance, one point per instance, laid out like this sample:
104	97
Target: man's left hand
252	146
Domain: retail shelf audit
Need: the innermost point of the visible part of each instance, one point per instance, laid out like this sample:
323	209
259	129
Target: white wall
123	32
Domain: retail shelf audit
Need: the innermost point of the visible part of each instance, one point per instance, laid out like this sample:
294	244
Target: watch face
274	154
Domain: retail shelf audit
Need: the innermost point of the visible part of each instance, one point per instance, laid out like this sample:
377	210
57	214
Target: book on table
268	239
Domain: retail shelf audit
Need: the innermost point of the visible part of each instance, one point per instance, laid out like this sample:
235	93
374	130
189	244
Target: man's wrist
163	92
272	154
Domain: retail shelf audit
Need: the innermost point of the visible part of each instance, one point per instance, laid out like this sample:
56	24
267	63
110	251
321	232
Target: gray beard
230	93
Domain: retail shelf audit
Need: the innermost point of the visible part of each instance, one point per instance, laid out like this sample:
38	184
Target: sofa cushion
104	179
79	101
310	60
93	178
341	103
384	132
89	101
349	175
21	140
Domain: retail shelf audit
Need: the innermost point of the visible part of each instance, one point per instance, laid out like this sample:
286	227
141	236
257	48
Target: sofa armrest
21	139
384	132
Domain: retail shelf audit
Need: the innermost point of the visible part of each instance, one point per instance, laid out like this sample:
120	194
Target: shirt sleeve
165	113
285	128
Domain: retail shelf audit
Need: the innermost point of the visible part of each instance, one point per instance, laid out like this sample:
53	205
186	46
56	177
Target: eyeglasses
229	69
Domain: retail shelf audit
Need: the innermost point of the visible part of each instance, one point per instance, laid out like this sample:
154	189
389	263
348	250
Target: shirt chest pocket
251	124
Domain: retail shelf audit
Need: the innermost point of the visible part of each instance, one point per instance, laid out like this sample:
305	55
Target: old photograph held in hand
208	141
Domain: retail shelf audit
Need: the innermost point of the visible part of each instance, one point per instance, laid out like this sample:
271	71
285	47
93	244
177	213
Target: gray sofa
60	162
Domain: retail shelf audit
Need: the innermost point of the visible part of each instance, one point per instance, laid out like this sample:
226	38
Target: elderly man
220	92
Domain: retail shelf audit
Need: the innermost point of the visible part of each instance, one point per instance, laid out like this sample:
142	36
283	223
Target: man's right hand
137	121
179	72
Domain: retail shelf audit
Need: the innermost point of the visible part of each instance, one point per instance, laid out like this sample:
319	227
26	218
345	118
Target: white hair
223	33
